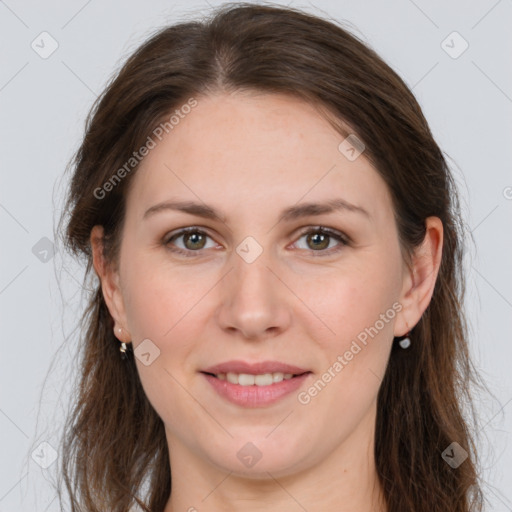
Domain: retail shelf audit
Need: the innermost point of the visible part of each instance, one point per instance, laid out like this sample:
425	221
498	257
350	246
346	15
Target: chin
255	456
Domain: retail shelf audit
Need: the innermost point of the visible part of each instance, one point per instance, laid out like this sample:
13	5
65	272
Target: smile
246	379
260	390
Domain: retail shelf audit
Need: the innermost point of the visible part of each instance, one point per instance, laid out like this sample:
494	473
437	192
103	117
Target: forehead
253	149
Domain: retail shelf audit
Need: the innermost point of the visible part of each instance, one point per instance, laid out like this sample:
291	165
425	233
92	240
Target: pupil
324	238
194	238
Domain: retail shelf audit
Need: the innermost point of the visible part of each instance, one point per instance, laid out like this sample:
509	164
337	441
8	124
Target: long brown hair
114	451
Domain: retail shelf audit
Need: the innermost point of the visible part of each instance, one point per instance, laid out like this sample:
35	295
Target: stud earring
405	342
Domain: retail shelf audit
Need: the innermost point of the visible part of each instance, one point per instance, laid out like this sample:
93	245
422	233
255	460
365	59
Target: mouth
247	379
257	384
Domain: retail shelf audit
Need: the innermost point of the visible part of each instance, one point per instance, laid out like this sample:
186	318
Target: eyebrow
289	214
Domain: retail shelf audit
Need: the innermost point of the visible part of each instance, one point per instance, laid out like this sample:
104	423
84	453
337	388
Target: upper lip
258	368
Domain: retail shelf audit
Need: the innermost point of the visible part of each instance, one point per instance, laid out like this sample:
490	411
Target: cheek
353	359
165	307
359	307
160	301
352	300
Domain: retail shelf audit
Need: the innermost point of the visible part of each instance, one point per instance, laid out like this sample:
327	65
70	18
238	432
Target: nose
255	304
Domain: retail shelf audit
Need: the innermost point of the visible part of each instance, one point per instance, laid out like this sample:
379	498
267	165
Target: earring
123	348
405	342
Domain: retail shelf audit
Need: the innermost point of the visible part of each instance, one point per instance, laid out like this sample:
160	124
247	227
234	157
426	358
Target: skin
250	156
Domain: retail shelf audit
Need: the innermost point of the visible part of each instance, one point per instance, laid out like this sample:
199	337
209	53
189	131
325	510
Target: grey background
467	101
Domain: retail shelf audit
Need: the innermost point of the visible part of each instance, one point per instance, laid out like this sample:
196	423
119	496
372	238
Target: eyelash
340	237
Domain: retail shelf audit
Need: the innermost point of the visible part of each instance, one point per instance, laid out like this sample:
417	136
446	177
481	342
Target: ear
110	287
420	278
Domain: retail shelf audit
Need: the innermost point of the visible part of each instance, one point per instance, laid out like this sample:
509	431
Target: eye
319	239
194	239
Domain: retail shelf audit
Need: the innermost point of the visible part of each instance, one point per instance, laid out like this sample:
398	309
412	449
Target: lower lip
255	396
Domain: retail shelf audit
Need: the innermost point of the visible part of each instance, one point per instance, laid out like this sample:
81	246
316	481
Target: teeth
244	379
232	377
262	380
277	377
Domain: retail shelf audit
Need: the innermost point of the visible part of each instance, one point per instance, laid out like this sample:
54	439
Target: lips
259	384
258	368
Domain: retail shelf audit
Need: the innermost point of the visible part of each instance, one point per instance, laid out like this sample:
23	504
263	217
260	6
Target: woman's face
260	285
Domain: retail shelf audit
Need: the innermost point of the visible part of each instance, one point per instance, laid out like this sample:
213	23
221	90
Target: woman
277	322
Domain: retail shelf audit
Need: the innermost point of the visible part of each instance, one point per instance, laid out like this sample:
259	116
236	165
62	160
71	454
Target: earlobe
420	279
109	283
